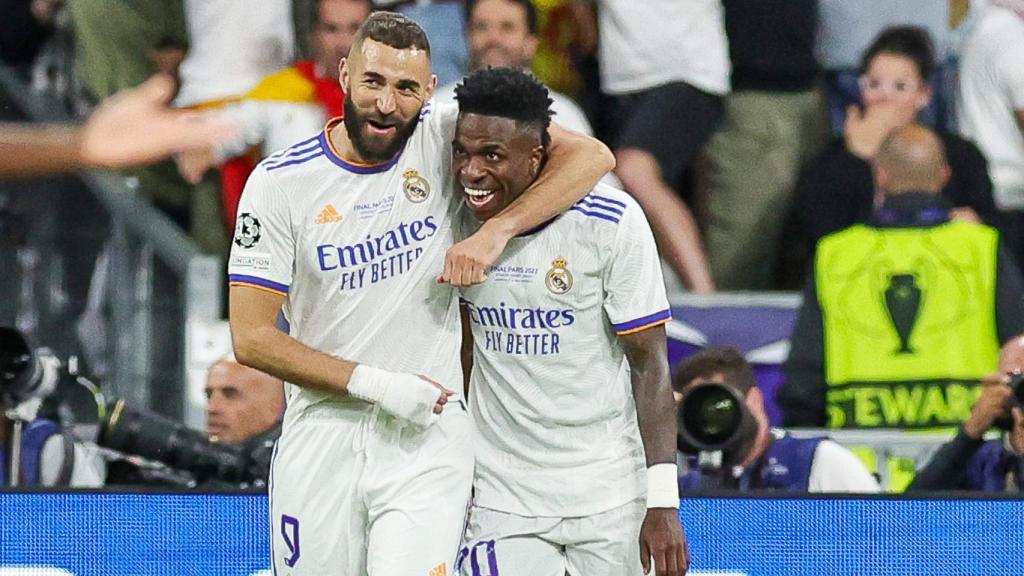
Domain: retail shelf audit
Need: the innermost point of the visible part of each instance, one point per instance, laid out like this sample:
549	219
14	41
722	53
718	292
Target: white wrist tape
662	486
405	396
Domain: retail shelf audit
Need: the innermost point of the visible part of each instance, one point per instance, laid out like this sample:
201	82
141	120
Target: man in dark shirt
969	462
774	122
902	317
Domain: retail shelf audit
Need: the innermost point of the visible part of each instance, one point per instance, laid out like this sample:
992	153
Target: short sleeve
634	288
263	248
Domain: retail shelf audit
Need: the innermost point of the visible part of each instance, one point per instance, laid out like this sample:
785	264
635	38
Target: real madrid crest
416	187
559	279
247	231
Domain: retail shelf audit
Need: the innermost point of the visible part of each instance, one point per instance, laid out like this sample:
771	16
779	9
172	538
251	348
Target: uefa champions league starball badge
247	231
559	279
416	187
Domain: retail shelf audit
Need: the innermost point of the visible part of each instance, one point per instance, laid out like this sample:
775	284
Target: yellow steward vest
909	323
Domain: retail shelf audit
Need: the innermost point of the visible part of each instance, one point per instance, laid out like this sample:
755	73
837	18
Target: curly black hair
508	93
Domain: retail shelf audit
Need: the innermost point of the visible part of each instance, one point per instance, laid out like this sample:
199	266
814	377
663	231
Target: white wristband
662	486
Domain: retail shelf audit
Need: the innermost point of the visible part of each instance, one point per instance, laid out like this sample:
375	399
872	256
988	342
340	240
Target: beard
376	149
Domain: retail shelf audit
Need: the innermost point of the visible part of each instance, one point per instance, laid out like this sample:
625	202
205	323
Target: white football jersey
356	249
550	390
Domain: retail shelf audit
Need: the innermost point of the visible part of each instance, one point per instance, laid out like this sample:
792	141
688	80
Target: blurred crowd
870	152
745	128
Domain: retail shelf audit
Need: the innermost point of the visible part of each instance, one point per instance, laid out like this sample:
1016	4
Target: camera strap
67	463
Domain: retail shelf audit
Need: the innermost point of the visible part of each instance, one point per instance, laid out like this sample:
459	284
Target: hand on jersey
661	538
466	262
415	399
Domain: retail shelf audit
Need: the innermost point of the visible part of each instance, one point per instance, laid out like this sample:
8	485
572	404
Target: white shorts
503	544
354	493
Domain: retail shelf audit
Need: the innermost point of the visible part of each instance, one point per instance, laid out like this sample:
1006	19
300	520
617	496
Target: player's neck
339	140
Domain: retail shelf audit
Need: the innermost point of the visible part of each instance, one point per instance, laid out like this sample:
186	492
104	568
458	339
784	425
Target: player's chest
356	220
546	272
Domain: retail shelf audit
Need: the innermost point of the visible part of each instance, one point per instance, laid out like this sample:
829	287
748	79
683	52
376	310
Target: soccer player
569	387
347	231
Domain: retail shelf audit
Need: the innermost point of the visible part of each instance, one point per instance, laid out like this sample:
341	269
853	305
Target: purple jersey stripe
243	279
601	215
661	316
606	199
294	148
295	161
586	201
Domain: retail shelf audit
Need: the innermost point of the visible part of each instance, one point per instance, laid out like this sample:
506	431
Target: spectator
969	462
141	33
242	403
774	122
666	64
25	26
991	105
503	33
133	127
231	48
289	105
445	25
771	459
903	316
835	190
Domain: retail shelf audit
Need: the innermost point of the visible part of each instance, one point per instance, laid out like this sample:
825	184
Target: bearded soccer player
569	388
347	233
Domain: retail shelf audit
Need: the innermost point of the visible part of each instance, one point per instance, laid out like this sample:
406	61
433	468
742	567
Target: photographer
244	408
31	440
49	455
721	411
969	462
241	403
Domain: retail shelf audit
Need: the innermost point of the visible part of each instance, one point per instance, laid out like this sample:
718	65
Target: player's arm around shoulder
575	164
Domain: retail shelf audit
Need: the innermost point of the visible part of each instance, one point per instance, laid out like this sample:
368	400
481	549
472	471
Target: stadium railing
102	273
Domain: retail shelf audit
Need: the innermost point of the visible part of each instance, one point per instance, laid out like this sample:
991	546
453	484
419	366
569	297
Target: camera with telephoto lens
25	373
714	424
139	432
29	376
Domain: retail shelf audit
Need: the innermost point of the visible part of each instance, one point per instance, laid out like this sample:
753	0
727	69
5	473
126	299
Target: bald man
242	403
905	315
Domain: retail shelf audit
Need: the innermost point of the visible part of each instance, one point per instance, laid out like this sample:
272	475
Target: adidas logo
439	570
328	215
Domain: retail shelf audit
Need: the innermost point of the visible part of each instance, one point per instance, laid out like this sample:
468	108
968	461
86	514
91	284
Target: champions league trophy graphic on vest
903	303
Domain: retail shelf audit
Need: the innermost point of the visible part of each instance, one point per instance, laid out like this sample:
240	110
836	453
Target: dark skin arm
661	535
467	349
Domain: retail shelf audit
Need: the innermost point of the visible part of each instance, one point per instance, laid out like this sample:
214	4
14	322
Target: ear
530	48
431	86
924	97
343	74
944	175
536	159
